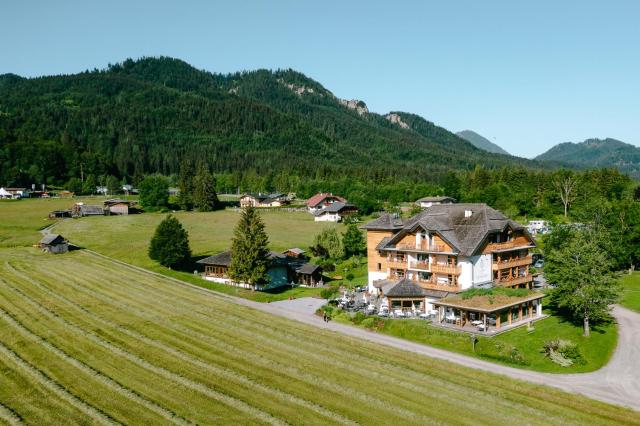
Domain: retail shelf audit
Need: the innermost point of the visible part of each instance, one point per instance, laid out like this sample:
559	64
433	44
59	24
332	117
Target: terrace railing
512	263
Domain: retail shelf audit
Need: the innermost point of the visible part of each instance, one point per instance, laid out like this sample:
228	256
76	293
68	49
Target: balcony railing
510	282
512	263
397	263
435	285
445	269
506	245
436	248
422	265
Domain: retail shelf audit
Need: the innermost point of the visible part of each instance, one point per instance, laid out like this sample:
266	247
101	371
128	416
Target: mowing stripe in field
129	393
53	386
368	400
352	369
211	393
440	390
9	416
225	373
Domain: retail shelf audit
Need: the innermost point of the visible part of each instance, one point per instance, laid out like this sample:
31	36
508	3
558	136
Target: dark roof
295	250
336	207
114	201
308	269
450	221
320	197
220	259
405	288
435	199
383	243
264	197
386	222
52	239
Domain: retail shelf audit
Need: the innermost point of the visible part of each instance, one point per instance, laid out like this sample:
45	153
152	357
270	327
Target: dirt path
616	383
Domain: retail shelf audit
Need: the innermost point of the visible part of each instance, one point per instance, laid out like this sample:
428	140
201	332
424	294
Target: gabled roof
220	259
51	239
439	199
405	288
336	207
386	222
320	197
88	209
115	201
464	231
308	269
295	250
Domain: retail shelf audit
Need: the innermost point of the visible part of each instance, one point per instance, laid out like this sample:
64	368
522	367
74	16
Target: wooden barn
54	243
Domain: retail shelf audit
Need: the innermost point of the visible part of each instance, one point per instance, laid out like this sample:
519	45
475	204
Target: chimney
468	213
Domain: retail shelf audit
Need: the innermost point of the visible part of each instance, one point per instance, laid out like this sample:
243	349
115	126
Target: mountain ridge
143	116
595	152
481	142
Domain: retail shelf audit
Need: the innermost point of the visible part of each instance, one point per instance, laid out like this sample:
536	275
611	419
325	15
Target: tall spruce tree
249	251
205	198
185	185
170	244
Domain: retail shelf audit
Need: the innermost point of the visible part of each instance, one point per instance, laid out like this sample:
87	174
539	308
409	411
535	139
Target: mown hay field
85	340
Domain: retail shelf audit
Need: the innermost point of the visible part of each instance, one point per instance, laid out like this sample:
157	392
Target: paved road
617	383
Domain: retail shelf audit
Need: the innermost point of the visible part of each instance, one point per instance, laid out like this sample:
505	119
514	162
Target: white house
426	202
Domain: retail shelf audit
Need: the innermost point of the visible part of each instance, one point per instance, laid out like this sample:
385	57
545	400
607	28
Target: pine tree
205	198
249	251
185	185
170	244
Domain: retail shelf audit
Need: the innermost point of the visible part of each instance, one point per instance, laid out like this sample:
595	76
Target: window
379	266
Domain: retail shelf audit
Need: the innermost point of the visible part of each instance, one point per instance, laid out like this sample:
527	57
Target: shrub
358	318
329	292
563	352
368	323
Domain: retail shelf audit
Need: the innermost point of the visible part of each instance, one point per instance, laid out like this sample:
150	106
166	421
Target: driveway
617	383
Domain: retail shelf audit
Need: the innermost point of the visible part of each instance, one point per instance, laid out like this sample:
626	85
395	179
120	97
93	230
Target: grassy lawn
631	291
126	238
84	340
518	347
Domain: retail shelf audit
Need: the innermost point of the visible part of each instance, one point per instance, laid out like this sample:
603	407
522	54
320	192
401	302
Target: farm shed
54	243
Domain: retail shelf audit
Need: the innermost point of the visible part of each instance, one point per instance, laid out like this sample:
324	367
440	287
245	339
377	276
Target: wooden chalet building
283	270
426	202
444	250
334	212
264	200
117	206
323	200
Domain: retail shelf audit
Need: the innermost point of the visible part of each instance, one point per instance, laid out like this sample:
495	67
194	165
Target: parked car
539	264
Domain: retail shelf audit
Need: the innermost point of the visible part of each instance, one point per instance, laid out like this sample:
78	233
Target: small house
263	200
14	193
426	202
117	206
310	275
295	252
322	200
335	212
54	243
57	214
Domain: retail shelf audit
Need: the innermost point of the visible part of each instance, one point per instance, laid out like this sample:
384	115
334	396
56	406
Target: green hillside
594	153
145	116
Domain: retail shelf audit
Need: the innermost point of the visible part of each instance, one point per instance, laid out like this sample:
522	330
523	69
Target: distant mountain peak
481	142
596	152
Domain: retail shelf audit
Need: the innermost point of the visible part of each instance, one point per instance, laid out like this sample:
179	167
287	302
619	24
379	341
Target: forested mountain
146	116
481	142
596	153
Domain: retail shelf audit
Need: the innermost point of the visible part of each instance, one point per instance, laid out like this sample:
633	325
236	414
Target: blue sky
526	75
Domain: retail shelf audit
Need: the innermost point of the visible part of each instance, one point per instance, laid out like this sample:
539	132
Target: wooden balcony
422	265
510	282
512	263
434	285
446	269
397	264
435	248
507	245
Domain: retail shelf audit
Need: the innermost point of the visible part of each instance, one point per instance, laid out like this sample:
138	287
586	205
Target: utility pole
81	174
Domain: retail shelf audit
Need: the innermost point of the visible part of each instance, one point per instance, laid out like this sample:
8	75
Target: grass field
595	350
127	238
84	341
631	291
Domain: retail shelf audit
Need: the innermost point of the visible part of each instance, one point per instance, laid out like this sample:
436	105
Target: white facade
328	217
